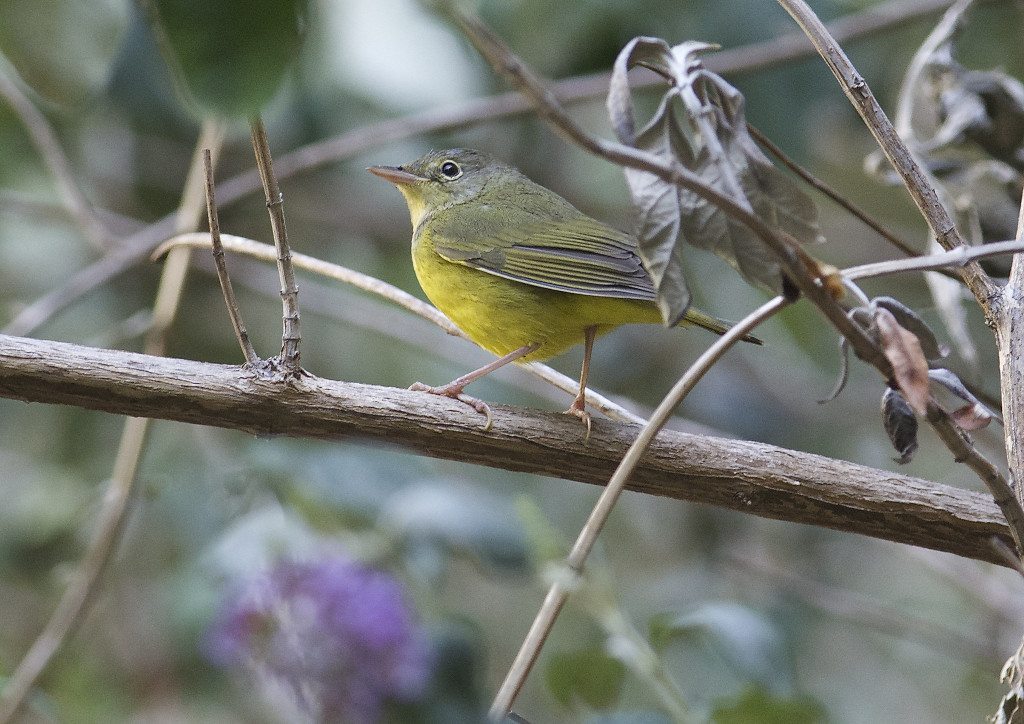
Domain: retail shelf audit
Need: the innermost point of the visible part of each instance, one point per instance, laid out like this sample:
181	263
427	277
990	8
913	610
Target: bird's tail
713	324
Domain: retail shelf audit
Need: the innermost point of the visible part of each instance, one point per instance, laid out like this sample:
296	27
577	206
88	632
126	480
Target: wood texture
751	477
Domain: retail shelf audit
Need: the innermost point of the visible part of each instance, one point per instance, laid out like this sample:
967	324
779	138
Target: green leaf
229	56
698	100
747	641
62	49
756	706
588	675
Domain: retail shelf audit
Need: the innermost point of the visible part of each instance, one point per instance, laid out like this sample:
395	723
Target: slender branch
290	336
560	589
895	150
958	257
45	140
747	476
222	268
831	193
75	601
398	296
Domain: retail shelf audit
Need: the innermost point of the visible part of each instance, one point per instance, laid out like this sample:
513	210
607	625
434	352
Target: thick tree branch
747	476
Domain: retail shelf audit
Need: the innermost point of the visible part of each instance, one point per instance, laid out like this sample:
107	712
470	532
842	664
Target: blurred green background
750	616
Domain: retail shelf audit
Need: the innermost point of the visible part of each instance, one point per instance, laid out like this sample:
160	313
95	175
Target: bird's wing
574	254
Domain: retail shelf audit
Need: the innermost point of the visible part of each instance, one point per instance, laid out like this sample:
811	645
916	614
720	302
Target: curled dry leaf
701	123
909	365
900	424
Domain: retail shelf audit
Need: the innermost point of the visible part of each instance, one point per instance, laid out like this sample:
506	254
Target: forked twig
958	257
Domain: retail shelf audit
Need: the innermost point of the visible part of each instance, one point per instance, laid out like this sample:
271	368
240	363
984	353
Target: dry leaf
701	123
909	365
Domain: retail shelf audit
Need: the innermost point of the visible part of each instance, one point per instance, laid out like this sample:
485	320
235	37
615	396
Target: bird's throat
417	208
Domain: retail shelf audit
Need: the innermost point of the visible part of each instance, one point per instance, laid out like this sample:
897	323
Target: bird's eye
450	170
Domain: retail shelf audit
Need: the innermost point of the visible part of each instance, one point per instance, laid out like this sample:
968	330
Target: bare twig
750	477
290	336
902	159
75	601
398	296
559	591
958	257
831	193
222	268
49	148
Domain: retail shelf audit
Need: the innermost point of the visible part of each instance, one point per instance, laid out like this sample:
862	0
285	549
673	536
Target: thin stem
958	257
290	336
559	591
222	268
372	285
74	602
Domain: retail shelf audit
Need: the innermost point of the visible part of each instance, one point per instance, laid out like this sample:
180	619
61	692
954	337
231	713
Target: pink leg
454	388
578	407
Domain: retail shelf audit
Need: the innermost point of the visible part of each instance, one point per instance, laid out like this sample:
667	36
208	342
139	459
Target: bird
520	270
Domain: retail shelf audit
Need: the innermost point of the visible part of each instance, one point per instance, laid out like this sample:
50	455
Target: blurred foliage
230	55
470	545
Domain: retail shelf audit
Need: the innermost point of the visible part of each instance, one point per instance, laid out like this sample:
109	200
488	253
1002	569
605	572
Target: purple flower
339	635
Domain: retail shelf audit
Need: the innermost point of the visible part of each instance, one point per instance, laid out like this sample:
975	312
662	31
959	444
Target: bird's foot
455	392
578	408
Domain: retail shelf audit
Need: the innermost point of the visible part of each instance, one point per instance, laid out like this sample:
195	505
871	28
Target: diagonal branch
751	477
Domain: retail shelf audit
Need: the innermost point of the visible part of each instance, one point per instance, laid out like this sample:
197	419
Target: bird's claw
456	393
578	409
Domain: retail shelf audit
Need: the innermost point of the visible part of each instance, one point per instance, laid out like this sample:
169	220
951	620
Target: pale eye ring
450	170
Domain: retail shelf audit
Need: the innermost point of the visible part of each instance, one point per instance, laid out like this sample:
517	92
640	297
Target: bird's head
442	179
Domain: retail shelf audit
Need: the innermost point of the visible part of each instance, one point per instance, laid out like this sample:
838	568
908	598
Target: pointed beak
396	175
